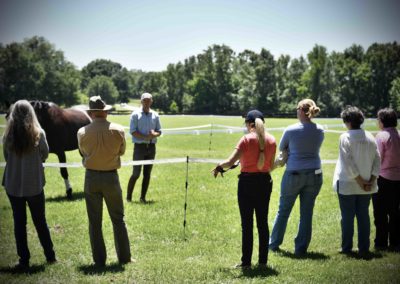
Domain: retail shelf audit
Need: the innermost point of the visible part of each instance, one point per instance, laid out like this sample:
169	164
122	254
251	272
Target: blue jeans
303	183
37	207
355	206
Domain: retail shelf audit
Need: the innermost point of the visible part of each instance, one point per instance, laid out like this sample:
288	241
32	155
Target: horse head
42	111
40	107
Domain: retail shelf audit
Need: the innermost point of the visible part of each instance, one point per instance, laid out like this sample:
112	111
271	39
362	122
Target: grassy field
212	244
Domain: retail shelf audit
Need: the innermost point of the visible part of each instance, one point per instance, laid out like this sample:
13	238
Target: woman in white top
355	179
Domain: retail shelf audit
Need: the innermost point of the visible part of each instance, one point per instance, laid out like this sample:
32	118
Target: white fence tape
149	162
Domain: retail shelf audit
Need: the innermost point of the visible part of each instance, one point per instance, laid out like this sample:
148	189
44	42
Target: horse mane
43	108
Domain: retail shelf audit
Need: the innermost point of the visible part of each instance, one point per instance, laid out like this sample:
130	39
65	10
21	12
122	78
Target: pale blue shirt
302	141
144	122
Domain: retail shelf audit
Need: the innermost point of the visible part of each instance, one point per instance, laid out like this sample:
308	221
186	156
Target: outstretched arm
235	156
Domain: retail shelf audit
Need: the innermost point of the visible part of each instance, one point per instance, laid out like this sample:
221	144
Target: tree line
216	81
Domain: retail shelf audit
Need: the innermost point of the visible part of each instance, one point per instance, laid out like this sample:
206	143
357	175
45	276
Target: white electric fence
150	162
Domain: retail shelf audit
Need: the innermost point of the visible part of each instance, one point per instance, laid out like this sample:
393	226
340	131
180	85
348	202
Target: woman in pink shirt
256	152
386	201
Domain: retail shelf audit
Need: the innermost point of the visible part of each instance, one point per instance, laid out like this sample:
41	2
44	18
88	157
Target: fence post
186	192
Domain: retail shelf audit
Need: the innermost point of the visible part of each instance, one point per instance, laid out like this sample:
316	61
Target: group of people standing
365	163
101	144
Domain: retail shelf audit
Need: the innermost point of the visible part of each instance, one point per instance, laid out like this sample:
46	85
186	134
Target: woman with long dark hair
256	152
25	149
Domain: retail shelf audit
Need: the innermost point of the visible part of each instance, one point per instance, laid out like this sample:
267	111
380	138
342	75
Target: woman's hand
216	170
364	184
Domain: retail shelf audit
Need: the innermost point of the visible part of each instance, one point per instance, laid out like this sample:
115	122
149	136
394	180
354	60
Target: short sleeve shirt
249	147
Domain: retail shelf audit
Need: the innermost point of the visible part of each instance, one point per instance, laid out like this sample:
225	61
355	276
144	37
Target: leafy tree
137	82
265	82
120	75
317	59
173	108
103	86
223	77
282	82
384	62
189	67
123	82
244	81
394	94
353	75
34	69
155	83
329	98
99	67
187	103
202	86
175	81
320	81
294	88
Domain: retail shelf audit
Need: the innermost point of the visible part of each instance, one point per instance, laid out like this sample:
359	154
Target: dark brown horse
61	127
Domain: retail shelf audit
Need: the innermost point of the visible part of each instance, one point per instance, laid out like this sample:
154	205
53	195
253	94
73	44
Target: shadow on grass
307	255
253	272
33	269
75	196
148	202
94	269
364	256
259	272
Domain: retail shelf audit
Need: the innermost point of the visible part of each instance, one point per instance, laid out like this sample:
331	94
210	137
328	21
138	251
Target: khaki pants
99	185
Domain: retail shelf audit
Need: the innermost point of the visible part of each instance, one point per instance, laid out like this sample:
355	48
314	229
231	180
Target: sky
150	34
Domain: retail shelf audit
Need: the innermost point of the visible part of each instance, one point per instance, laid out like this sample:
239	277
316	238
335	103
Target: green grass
213	233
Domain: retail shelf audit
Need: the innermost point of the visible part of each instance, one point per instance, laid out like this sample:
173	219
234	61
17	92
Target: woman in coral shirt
256	152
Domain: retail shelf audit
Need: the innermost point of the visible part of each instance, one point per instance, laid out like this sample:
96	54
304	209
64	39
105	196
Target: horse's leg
64	173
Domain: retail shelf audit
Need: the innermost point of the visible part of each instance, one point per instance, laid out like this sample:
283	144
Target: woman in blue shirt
302	177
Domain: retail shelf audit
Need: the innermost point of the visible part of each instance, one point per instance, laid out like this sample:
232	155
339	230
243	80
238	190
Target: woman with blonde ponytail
25	149
303	176
256	152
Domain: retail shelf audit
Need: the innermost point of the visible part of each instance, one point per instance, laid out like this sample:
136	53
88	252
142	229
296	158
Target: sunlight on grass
213	230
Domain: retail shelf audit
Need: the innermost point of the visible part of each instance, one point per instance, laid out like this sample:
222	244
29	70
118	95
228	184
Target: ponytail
260	131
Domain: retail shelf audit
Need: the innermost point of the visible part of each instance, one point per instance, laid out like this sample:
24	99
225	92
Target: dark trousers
141	152
37	207
99	186
386	204
254	192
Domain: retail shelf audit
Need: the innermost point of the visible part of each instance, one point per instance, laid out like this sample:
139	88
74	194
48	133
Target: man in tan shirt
101	144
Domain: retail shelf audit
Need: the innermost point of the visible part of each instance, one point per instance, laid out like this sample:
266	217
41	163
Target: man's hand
152	134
